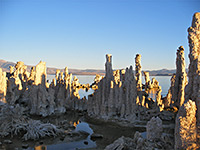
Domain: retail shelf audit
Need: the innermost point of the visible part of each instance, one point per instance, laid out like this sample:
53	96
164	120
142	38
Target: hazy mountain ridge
163	72
5	67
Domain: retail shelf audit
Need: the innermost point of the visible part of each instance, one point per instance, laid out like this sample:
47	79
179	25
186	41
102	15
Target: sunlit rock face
185	129
188	118
159	100
193	88
147	80
40	74
138	72
149	84
176	93
3	85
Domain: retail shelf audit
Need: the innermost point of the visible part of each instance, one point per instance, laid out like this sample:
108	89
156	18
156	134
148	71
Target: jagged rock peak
108	66
66	71
109	58
196	20
138	71
180	48
40	73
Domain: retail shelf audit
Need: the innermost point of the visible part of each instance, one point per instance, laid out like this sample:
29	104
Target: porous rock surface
188	117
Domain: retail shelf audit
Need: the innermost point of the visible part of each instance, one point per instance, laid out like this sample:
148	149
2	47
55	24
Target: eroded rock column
3	85
138	74
178	95
147	80
193	87
38	92
108	66
40	74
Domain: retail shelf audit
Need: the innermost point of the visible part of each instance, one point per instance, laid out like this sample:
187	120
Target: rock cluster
32	90
60	95
188	117
116	94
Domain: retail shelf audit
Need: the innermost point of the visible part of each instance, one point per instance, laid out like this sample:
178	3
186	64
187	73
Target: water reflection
81	144
152	93
41	147
83	93
75	123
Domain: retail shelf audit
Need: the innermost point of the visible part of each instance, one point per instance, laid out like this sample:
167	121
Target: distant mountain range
5	67
163	72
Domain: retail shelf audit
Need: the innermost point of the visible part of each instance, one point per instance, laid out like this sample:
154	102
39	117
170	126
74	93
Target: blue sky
78	33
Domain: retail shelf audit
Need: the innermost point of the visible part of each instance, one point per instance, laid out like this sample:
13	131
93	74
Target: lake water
81	126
